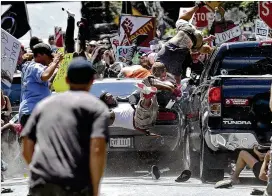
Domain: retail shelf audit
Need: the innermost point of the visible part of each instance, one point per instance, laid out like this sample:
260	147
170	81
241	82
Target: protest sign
261	30
202	18
10	50
227	35
59	82
132	26
115	43
122	51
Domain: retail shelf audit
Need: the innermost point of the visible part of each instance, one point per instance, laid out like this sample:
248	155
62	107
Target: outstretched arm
188	15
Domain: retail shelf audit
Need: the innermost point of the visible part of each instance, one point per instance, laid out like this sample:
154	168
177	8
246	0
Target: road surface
145	186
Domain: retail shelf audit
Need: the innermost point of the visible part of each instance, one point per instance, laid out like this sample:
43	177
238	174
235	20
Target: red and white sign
265	12
201	18
58	37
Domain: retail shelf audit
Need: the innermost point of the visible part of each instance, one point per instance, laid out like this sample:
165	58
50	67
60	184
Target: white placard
227	35
261	30
10	50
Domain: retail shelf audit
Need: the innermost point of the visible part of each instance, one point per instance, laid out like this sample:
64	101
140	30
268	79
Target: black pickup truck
228	109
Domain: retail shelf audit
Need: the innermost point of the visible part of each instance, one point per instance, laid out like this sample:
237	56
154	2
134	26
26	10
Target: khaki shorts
146	118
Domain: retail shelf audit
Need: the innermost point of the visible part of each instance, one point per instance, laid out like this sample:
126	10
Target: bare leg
244	159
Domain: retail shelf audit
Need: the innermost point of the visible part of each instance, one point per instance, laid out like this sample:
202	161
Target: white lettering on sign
265	6
237	102
261	28
227	35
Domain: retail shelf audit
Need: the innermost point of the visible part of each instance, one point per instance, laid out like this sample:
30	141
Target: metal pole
30	31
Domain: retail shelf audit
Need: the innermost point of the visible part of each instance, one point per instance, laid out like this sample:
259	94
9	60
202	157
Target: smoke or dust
11	154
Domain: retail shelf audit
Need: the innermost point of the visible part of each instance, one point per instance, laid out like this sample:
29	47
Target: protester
268	191
33	41
98	61
120	116
73	138
5	109
258	163
35	76
147	108
90	48
52	43
175	54
138	71
197	64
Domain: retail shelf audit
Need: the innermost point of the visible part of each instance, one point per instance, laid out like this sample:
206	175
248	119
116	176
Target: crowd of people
60	153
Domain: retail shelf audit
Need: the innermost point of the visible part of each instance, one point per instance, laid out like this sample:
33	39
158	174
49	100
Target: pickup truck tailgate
245	105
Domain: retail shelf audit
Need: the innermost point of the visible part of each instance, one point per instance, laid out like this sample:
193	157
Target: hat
80	71
42	48
93	43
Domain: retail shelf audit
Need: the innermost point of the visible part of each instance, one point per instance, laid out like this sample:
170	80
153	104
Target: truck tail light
215	101
166	116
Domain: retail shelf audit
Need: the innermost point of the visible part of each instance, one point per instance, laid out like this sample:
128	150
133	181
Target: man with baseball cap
64	141
35	77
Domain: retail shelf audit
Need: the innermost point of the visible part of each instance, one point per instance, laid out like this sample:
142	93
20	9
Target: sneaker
155	172
184	176
223	184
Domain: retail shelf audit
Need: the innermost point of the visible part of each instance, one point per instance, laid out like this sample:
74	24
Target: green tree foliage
249	7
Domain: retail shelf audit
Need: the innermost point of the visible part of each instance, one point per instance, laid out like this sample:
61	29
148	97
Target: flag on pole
15	20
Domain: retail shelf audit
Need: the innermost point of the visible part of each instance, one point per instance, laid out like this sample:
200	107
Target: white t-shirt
123	116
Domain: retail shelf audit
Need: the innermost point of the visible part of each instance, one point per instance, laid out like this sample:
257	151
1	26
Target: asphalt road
145	186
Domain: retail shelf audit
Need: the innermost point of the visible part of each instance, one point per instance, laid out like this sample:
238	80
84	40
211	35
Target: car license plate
121	142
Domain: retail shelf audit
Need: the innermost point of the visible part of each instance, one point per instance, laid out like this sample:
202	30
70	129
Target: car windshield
121	89
250	61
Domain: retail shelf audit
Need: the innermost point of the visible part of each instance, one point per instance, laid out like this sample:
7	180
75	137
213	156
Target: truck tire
208	174
191	158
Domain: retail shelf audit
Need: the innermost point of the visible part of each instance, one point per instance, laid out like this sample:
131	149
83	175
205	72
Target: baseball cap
43	49
80	71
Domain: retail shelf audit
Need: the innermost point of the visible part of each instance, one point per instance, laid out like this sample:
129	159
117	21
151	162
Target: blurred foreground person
268	190
66	149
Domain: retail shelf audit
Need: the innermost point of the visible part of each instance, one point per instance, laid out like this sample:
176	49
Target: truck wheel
206	173
191	158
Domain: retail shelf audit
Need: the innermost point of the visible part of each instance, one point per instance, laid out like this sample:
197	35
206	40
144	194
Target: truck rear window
248	61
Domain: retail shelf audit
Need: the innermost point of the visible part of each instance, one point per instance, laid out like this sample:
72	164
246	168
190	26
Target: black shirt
61	127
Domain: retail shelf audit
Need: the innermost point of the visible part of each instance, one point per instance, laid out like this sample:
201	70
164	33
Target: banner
132	26
15	19
59	83
261	30
227	35
10	50
122	51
